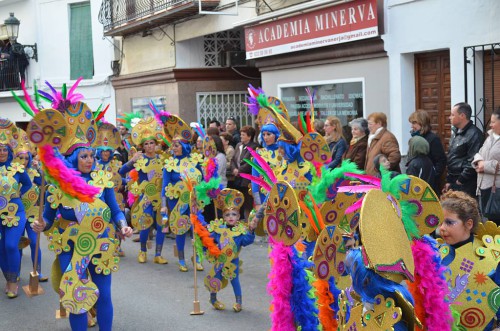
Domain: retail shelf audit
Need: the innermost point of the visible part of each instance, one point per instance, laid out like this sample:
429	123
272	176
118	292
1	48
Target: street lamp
12	25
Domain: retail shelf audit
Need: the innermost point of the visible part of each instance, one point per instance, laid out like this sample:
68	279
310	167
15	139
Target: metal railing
115	13
481	70
11	73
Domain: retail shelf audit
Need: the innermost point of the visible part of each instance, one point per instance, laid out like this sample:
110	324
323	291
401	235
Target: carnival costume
15	182
175	192
30	198
83	237
146	210
474	278
230	238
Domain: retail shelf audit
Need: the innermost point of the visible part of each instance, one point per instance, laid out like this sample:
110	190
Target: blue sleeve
338	151
247	239
198	166
165	181
126	168
49	214
309	176
201	218
38	180
256	189
25	181
116	214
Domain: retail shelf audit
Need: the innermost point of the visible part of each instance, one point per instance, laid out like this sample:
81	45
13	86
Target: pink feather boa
433	287
131	198
280	287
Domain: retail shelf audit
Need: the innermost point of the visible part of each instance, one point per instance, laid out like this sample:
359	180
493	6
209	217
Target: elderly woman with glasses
467	253
15	182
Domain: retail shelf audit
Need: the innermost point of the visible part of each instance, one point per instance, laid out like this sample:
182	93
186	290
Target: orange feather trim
204	235
325	299
419	300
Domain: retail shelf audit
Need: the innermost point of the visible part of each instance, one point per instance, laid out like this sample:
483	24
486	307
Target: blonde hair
337	133
423	119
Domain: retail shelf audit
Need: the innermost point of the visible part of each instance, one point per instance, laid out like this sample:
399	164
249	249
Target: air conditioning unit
232	59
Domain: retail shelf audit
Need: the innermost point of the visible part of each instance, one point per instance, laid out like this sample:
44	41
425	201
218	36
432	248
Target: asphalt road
151	296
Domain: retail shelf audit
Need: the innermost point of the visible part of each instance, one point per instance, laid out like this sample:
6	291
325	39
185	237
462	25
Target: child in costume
231	235
15	182
470	252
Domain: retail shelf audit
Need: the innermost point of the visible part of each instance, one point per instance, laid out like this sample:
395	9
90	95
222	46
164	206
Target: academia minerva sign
328	26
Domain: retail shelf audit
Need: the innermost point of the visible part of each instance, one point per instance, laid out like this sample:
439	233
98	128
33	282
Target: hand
127	231
480	166
252	225
164	210
458	182
39	226
136	157
446	188
235	172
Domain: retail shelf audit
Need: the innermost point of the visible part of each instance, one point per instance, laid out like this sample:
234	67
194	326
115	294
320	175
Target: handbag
492	209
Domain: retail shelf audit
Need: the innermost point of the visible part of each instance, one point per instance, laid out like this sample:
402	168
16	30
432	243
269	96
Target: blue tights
160	238
104	306
10	260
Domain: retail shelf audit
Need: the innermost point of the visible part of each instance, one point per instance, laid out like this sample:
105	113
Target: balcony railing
122	17
12	71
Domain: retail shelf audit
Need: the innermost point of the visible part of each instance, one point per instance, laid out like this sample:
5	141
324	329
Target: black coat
421	166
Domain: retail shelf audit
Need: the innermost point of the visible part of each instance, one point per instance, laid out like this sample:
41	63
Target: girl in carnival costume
146	211
181	164
83	237
231	235
24	157
470	251
15	182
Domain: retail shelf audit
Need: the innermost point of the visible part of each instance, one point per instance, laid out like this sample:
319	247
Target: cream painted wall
374	71
427	26
124	96
148	53
52	38
214	23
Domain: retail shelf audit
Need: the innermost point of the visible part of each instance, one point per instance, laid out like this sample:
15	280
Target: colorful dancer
24	156
175	192
231	235
15	182
146	210
83	237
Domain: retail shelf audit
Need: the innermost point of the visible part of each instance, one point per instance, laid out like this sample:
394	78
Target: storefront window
343	99
141	105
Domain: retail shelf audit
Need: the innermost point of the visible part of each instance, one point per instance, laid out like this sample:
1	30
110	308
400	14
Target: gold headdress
386	248
9	133
229	199
80	126
176	129
25	145
108	137
147	129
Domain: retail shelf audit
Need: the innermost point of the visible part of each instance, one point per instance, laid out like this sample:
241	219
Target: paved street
151	296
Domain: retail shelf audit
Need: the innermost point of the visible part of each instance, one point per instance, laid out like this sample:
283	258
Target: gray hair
360	123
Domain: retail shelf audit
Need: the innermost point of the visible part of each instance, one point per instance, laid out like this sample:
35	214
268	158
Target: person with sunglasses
15	182
467	249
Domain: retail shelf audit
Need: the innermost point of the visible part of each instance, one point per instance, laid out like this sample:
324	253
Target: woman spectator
421	126
227	140
359	142
419	164
335	140
486	162
380	141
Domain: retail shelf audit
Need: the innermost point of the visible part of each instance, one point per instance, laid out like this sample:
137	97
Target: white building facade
70	44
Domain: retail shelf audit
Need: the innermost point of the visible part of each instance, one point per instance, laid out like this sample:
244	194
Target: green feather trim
37	95
23	104
203	187
309	204
127	118
328	178
198	245
408	210
259	169
64	91
262	100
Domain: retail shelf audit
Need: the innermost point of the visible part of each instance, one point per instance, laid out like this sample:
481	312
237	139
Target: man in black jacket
466	140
